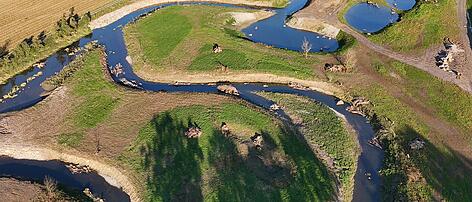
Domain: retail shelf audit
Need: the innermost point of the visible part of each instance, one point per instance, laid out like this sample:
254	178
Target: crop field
22	18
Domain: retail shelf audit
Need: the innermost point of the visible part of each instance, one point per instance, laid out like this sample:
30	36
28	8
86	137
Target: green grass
70	139
421	28
322	127
211	168
440	166
278	3
159	43
448	101
99	95
181	38
345	41
96	97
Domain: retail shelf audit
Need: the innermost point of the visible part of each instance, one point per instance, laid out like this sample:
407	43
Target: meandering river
271	31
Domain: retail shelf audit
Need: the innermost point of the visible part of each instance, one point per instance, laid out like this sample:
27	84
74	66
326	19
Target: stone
193	132
417	144
228	89
257	140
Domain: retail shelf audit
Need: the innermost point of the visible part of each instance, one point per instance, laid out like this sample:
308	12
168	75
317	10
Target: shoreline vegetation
419	29
406	171
188	34
68	29
123	11
38	47
90	79
335	145
400	118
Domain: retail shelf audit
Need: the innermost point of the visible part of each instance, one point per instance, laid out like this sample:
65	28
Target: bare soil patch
17	191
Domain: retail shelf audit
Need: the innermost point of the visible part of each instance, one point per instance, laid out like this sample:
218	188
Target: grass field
322	127
23	18
437	168
180	39
215	167
447	100
97	98
421	28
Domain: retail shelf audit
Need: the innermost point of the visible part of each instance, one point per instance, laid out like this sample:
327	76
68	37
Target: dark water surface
469	26
369	18
270	31
37	170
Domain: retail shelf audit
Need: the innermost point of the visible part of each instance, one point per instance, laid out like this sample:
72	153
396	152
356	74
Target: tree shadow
445	170
316	182
174	162
267	174
236	179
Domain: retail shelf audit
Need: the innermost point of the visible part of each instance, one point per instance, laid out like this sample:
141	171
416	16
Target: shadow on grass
285	169
314	180
268	175
445	170
174	161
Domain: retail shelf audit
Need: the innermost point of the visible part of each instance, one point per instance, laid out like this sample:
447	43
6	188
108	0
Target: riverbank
69	110
117	14
63	113
239	61
321	126
111	174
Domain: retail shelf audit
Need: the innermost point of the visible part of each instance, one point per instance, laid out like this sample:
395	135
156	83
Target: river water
111	37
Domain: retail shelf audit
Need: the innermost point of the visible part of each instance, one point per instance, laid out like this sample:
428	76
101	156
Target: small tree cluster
70	22
51	192
66	26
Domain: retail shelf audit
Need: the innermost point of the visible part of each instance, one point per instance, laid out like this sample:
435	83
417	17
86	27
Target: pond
370	18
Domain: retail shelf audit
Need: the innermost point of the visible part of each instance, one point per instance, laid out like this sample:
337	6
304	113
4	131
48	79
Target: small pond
370	18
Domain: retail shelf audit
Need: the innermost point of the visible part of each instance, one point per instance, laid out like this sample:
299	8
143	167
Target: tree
42	38
84	20
71	12
4	49
306	47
